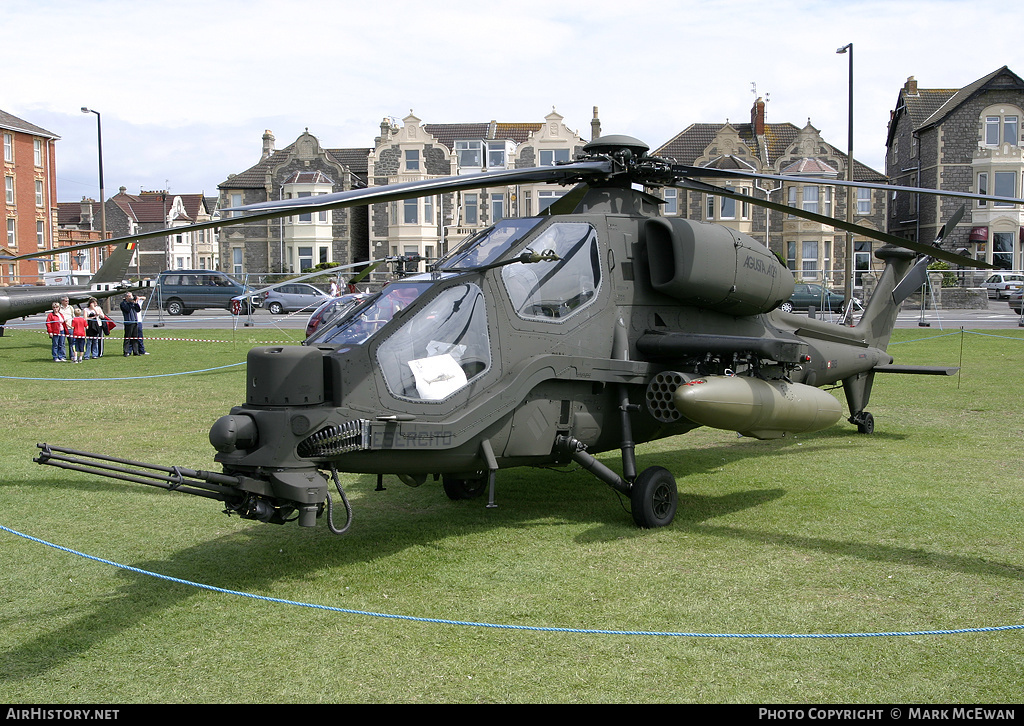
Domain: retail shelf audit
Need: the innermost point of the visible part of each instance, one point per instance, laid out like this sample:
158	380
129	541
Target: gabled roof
255	176
154	206
692	143
13	123
958	98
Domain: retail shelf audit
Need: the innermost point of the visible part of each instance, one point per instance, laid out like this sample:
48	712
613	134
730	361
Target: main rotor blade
699	171
563	174
833	222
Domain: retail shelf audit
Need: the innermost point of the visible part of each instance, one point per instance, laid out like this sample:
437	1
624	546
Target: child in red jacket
78	328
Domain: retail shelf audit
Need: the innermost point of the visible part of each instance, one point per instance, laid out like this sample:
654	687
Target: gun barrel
209	484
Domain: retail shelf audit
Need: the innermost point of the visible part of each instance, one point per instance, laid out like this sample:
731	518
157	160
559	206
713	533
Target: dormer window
412	159
470	153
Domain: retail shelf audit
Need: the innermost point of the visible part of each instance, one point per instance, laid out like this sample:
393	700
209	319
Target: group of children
82	329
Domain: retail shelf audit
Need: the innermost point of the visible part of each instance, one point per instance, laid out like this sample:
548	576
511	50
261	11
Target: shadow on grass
251	560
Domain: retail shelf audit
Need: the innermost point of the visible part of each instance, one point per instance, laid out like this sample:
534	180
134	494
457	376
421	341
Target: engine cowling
715	267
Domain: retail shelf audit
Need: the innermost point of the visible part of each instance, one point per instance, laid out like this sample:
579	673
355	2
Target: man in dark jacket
131	308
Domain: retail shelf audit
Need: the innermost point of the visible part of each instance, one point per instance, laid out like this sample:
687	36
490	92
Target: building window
305	258
546	199
550	157
236	260
9	148
810	200
9	189
410	211
728	206
37	151
1005	186
863	201
469	153
809	258
470	209
791	255
1002	250
495	154
40	233
791	199
671	201
709	207
39	192
1002	129
428	210
412	159
497	208
12	232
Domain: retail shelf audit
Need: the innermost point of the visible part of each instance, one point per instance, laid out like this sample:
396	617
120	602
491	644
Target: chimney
595	126
268	144
910	87
757	117
86	213
385	131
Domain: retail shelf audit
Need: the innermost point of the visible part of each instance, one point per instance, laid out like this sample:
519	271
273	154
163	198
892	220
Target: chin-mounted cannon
276	497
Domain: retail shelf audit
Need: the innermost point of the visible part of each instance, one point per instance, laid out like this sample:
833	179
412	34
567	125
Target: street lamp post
848	282
99	150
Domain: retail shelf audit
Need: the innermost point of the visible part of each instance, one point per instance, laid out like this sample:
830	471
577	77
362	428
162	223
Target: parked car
1015	301
806	295
1001	284
293	296
182	292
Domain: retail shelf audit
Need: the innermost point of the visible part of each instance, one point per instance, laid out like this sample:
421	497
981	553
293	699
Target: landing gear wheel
457	488
654	498
865	423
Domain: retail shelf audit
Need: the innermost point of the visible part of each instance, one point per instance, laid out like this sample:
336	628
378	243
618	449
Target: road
998	316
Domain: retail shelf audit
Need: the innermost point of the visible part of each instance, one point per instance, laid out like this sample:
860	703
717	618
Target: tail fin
879	316
115	267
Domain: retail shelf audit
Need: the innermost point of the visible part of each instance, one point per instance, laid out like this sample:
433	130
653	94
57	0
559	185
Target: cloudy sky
187	88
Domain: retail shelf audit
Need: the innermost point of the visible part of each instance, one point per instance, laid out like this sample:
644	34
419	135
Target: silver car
293	296
1001	284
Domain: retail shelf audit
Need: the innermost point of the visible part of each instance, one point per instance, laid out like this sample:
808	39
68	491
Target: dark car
806	295
293	296
181	292
1014	301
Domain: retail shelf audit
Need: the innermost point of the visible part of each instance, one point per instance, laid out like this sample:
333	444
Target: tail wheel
865	423
654	498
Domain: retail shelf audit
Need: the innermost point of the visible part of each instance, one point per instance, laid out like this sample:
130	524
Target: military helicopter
16	302
542	341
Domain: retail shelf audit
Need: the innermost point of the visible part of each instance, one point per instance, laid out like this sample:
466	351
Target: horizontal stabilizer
917	370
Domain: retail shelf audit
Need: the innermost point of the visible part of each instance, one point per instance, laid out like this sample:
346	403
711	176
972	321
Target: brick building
960	139
30	196
814	251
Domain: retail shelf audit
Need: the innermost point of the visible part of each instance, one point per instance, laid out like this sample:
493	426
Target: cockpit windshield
365	319
485	247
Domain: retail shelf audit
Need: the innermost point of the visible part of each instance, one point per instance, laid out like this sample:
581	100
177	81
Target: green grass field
917	527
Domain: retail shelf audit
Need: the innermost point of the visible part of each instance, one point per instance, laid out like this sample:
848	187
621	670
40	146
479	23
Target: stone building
294	244
966	140
30	197
813	250
416	151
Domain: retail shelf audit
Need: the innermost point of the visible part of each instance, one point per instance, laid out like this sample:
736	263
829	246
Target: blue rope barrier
534	628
